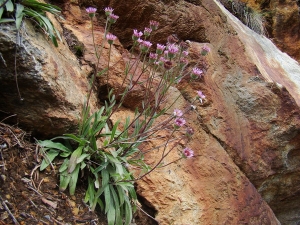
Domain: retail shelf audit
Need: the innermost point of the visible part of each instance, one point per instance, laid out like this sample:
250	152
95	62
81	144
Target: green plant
18	10
107	169
106	153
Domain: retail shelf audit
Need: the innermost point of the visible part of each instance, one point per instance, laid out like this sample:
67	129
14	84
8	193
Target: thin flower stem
171	162
155	167
108	61
98	56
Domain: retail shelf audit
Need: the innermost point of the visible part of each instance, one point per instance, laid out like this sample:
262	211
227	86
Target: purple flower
110	38
160	48
196	72
188	153
172	50
189	131
152	57
154	24
183	62
91	11
112	18
166	52
161	61
185	53
145	45
177	113
205	50
200	94
136	35
180	122
147	31
108	11
140	41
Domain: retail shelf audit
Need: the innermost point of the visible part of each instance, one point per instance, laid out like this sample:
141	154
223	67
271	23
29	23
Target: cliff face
246	133
282	22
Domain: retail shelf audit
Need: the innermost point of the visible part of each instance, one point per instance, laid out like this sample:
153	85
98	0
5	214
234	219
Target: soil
28	196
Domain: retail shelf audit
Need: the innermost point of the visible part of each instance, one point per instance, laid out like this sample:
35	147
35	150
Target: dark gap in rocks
103	92
141	217
129	47
74	44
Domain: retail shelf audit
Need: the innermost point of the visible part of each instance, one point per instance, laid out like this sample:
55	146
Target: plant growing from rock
106	153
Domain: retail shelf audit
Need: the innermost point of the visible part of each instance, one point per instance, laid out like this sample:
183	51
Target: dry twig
9	212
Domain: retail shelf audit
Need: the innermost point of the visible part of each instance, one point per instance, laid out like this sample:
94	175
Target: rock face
51	82
282	23
247	130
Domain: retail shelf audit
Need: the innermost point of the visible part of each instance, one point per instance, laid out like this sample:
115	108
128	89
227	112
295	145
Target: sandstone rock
52	84
282	23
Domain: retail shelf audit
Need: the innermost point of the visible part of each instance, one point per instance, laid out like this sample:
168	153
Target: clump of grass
250	17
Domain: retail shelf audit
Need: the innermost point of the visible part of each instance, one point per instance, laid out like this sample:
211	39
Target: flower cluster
91	11
179	122
201	96
205	50
196	73
188	153
108	11
154	24
110	38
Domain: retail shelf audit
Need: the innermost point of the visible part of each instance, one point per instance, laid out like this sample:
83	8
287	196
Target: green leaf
132	193
98	193
111	210
121	194
1	10
105	177
73	137
99	168
73	181
53	39
82	157
6	20
82	165
73	160
116	205
64	166
41	6
50	144
65	178
107	197
128	211
65	154
19	15
113	131
9	6
48	158
102	72
90	192
100	203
